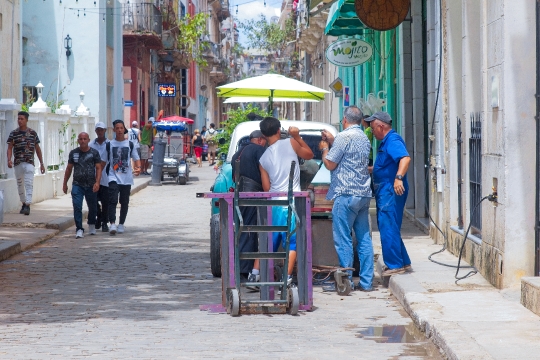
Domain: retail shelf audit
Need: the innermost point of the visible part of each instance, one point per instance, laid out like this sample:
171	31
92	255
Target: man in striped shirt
350	189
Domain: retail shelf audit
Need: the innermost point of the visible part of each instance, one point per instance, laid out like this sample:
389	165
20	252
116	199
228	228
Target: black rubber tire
182	180
215	246
162	177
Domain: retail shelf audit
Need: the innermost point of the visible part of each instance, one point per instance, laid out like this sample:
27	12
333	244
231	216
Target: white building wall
496	41
10	50
515	129
45	26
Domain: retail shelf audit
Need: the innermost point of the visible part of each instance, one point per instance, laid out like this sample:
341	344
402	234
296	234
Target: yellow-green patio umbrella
242	99
271	86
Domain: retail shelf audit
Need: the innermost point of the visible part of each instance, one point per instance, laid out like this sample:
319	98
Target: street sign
128	102
349	52
166	90
337	87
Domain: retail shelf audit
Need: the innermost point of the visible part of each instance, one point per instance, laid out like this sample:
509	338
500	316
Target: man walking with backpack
210	139
119	152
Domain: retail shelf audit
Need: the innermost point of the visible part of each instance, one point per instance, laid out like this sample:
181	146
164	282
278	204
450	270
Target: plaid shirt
351	152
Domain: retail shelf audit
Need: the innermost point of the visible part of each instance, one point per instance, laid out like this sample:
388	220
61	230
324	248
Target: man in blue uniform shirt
391	189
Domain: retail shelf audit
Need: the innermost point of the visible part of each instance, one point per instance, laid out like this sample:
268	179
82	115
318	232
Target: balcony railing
141	17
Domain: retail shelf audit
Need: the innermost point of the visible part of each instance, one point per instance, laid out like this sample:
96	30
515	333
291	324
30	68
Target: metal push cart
291	299
174	163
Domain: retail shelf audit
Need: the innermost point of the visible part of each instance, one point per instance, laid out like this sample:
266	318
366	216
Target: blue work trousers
77	195
351	213
389	217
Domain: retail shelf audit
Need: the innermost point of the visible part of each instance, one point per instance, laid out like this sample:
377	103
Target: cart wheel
215	246
181	180
343	285
233	302
294	300
162	177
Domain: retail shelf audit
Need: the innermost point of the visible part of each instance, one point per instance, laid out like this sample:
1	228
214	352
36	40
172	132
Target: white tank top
276	160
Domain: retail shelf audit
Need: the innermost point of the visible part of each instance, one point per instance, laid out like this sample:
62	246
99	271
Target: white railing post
8	122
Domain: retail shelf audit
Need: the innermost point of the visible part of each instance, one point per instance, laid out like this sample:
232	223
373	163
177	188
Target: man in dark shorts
23	142
85	163
249	157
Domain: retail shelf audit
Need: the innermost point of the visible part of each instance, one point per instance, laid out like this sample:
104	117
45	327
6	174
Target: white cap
151	119
100	125
134	123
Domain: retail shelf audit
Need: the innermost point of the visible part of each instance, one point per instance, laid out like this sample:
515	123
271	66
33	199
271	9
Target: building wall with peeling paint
489	68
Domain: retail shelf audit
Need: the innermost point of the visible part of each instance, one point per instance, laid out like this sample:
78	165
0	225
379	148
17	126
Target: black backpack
108	147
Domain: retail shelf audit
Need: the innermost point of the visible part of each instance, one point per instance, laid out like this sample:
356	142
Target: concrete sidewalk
47	218
470	320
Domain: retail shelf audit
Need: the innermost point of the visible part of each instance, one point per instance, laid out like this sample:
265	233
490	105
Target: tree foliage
267	36
235	117
190	40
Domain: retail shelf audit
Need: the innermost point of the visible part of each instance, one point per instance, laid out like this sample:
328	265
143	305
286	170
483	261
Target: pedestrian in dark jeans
85	163
100	144
119	154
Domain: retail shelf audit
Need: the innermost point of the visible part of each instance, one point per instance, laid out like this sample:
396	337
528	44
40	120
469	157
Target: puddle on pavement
417	344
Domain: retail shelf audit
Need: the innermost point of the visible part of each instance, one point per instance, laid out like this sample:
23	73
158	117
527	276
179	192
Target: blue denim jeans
279	217
77	195
351	213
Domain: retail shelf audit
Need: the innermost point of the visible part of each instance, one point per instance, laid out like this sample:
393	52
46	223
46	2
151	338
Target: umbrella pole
271	102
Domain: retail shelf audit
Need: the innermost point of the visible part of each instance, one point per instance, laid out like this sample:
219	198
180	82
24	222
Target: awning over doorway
342	20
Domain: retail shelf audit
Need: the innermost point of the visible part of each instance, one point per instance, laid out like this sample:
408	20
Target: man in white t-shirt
119	152
275	166
134	135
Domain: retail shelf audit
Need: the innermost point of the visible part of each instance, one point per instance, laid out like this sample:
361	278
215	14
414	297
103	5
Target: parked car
310	132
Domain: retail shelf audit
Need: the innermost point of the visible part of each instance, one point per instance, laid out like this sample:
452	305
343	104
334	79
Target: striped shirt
350	151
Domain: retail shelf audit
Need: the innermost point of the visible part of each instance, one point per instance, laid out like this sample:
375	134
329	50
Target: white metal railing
58	136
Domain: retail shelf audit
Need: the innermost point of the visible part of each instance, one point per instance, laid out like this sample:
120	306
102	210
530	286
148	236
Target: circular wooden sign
382	14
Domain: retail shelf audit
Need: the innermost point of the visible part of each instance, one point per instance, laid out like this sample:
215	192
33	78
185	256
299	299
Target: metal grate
475	171
459	173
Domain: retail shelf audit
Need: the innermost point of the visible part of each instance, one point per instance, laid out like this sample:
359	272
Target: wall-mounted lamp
67	45
167	62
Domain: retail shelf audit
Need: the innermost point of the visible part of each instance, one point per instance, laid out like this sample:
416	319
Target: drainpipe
537	117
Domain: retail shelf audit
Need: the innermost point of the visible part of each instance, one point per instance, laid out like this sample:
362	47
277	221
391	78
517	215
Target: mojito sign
349	52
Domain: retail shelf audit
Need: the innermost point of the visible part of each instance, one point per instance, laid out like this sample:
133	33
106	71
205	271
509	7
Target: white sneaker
92	229
79	234
112	229
121	228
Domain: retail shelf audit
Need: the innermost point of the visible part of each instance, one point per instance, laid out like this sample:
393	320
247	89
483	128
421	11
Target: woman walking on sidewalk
197	143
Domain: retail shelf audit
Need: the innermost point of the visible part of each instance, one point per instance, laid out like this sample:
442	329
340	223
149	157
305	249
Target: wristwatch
399	177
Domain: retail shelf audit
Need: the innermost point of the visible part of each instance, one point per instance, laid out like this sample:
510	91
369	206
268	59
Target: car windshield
311	140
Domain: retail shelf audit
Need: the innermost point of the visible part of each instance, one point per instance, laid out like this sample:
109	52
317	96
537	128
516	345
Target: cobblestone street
137	295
